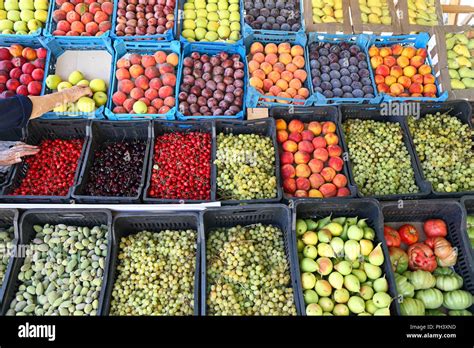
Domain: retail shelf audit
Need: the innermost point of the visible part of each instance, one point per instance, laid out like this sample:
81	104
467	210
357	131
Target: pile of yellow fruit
327	11
422	12
375	12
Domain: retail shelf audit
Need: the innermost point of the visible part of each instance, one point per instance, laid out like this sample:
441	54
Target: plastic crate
110	131
89	218
468	203
255	98
8	218
306	115
457	108
211	49
453	214
140	47
360	40
265	127
421	40
32	41
164	127
58	46
168	35
248	30
363	208
125	224
276	214
37	131
374	112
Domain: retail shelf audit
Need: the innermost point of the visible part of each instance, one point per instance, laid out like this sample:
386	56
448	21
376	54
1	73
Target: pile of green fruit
460	51
327	11
381	162
23	17
423	293
341	269
470	229
446	151
375	12
248	272
422	12
62	273
155	274
245	167
6	238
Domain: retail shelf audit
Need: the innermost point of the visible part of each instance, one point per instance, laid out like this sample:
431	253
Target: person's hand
15	153
77	92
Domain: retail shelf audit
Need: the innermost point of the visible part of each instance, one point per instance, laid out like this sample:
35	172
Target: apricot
298	61
409	52
409	71
389	61
328	174
416	88
316	165
284	47
374	51
404	81
290	146
287	76
259	57
424	69
295	83
285	58
396	89
339	180
275	90
316	128
385	51
136	70
417	78
379	79
397	49
331	139
382	70
291	67
256	47
280	124
302	171
274	76
376	61
297	50
260	74
266	68
172	59
403	61
303	92
429	79
390	80
271	48
383	88
430	89
122	74
316	180
300	75
292	92
256	82
279	67
321	154
267	84
329	127
296	126
302	157
282	84
253	65
417	61
396	71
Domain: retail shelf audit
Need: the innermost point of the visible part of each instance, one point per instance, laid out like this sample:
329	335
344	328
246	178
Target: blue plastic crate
211	49
185	41
141	47
255	98
168	35
360	40
248	30
27	41
418	41
57	47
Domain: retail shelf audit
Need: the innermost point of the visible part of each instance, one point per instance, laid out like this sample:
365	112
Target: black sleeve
15	112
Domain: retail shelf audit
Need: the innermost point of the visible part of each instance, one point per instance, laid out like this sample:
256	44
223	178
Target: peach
128	104
425	69
137	93
271	59
316	128
260	74
299	62
429	79
126	86
382	70
274	76
404	81
430	89
172	59
374	51
136	70
151	110
331	139
59	15
142	82
279	67
383	88
285	58
280	124
291	67
303	171
422	52
81	8
339	180
100	17
396	71
300	75
73	16
334	150
287	76
118	98
301	194
286	158
409	71
123	63
316	165
267	84
256	47
296	126
403	61
67	7
29	53
122	74
343	192
319	142
316	180
404	95
290	146
259	57
303	184
289	185
282	136
148	60
389	61
409	52
253	65
379	79
169	101
256	82
303	93
284	47
315	194
164	109
376	61
288	171
165	91
306	146
91	28
321	154
297	50
94	7
266	68
87	18
328	174
151	72
328	190
417	61
429	95
397	49
329	127
417	78
336	163
119	110
271	48
295	136
396	89
292	92
145	100
135	58
385	51
307	135
156	84
296	84
275	90
390	80
64	26
416	88
157	103
151	93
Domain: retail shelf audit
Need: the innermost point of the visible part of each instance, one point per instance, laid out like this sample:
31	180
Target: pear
462	50
311	224
308	280
325	250
336	280
356	304
324	222
362	223
360	274
457	84
355	264
324	236
325	265
355	232
326	304
335	228
323	288
381	285
462	38
468	82
313	309
453	74
370	307
341	310
382	299
464	62
466	72
369	233
373	272
352	249
301	227
366	292
341	295
337	245
376	256
342	220
308	265
310	251
310	238
382	311
366	246
343	267
351	221
310	296
352	283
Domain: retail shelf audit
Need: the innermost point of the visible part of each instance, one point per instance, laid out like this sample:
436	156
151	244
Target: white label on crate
434	60
400	14
180	14
431	43
386	33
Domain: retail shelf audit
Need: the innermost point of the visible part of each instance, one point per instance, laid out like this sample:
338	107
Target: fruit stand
237	157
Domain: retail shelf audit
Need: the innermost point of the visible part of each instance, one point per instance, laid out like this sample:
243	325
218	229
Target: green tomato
431	298
457	299
411	306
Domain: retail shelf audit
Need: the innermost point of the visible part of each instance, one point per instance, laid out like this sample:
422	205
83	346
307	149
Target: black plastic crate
270	214
453	214
460	109
8	218
160	127
374	112
320	114
468	203
37	131
365	208
84	217
125	224
110	131
265	127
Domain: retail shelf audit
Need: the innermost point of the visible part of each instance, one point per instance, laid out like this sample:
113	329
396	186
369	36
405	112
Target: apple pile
82	17
146	83
402	71
22	17
310	159
21	70
84	104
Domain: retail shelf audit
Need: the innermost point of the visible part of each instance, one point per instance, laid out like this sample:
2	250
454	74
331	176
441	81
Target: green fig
310	238
376	256
301	227
308	265
310	251
352	283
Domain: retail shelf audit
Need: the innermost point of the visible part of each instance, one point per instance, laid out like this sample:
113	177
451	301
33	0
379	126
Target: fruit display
445	148
212	85
279	71
460	52
340	70
21	70
402	71
245	167
248	272
6	239
146	83
470	229
375	12
211	20
381	163
341	268
145	17
273	14
82	18
310	159
116	169
23	17
422	12
52	170
155	274
327	11
181	166
63	275
85	104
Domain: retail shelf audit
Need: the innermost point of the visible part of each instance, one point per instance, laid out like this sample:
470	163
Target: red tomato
435	228
391	236
408	234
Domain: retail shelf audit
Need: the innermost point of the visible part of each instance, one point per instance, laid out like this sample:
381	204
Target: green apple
235	36
75	77
223	32
235	26
200	4
234	1
213	26
224	14
224	22
140	107
188	34
2	6
222	5
64	85
3	14
26	15
41	5
8	31
233	8
85	104
201	23
52	81
41	15
98	85
26	5
34	25
13	15
212	1
201	13
211	36
211	8
84	83
11	5
100	98
20	26
213	17
189	24
200	33
189	14
188	6
235	16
